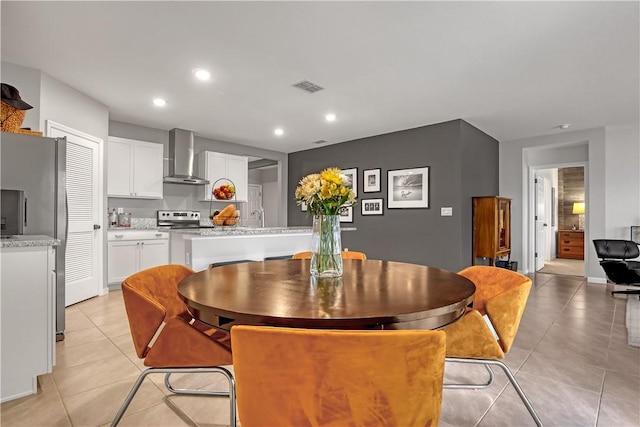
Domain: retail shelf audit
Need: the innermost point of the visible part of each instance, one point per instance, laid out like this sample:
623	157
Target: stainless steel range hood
182	159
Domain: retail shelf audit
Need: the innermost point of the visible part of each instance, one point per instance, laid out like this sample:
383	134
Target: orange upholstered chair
501	295
302	377
345	255
167	337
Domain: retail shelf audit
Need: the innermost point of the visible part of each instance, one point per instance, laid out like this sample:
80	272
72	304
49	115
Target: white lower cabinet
133	251
28	288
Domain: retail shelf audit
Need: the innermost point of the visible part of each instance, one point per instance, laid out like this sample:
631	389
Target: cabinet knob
158	234
119	236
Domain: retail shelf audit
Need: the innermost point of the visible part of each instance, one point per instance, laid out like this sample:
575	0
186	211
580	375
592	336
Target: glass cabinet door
504	239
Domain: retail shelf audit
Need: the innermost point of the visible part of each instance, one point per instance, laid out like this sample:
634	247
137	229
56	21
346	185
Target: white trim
598	280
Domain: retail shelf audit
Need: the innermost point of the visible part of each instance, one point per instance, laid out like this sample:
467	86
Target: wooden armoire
491	228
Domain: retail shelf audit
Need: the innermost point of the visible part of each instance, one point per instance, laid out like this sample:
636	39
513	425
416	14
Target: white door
83	257
253	204
540	221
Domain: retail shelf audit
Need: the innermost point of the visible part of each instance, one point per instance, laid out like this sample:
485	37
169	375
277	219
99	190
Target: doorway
254	206
558	220
83	257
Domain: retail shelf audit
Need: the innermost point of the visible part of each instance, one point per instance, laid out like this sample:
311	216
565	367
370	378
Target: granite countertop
134	228
246	231
241	231
151	224
138	224
22	241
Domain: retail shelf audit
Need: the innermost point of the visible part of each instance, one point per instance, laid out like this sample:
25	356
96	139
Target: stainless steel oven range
180	220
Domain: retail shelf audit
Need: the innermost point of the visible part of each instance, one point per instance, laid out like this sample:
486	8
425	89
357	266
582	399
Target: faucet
260	212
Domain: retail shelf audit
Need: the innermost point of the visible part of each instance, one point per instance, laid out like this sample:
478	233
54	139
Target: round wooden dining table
370	294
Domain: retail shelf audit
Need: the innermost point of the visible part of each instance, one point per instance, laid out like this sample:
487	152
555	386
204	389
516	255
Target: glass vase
326	246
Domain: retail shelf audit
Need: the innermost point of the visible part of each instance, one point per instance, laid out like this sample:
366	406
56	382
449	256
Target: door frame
101	219
531	221
540	247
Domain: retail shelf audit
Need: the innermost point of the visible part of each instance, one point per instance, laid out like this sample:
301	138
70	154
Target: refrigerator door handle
66	218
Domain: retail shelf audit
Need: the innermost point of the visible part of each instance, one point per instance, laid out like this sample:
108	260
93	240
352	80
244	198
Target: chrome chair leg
512	380
168	371
471	386
172	389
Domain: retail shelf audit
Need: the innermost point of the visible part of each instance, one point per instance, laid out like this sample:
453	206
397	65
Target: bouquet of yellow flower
325	193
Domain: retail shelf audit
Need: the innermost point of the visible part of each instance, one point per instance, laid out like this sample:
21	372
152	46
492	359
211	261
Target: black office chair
613	256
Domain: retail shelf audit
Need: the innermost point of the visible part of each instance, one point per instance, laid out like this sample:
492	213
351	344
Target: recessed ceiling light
564	126
159	102
330	117
279	131
201	74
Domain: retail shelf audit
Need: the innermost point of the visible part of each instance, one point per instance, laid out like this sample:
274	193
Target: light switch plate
446	211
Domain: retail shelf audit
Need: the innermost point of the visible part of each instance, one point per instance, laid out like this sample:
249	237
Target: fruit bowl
224	192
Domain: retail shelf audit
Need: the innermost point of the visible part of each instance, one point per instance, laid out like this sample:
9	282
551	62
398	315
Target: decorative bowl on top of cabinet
134	169
214	166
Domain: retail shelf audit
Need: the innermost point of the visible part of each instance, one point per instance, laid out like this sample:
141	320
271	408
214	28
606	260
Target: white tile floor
570	356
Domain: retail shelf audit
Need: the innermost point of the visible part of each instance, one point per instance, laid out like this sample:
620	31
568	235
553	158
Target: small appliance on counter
113	218
124	219
180	220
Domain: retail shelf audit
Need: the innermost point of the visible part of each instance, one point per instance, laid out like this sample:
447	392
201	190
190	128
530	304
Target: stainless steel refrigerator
37	166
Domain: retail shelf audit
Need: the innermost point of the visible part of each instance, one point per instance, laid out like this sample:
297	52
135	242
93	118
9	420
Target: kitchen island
197	249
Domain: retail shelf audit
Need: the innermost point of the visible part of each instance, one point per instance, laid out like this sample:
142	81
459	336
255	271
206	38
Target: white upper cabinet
213	166
134	169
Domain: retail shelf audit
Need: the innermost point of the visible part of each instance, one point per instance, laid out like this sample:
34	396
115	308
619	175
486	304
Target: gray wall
463	163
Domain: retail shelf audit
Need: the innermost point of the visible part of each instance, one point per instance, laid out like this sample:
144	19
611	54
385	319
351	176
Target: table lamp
578	209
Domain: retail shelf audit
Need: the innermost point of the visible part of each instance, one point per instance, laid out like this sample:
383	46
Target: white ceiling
512	69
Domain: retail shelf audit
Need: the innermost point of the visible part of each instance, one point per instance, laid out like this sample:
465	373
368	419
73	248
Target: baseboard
599	280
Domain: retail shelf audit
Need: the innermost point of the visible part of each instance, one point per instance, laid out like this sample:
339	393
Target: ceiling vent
307	86
320	141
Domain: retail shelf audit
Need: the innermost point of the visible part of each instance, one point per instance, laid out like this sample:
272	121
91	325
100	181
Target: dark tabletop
371	294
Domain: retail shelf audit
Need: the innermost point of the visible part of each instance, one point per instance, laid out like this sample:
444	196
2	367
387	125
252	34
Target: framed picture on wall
352	175
372	206
346	214
303	207
371	181
408	188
